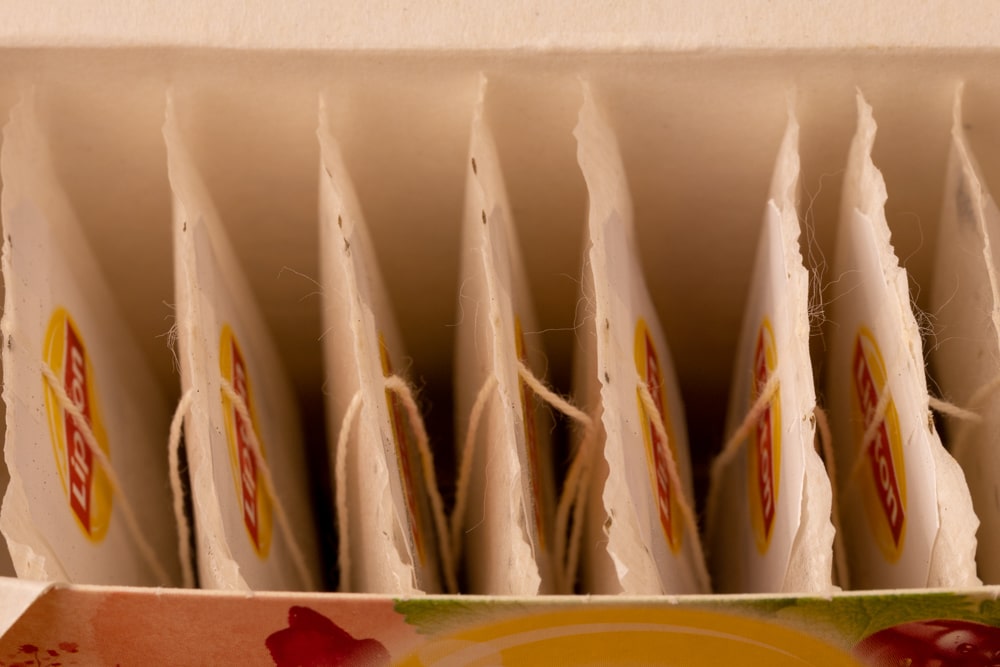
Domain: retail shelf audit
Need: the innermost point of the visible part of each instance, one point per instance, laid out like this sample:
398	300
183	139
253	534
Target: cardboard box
698	99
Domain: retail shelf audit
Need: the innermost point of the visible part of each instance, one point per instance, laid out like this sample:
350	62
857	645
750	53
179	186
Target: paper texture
966	356
771	530
393	544
636	539
221	335
508	525
60	517
905	509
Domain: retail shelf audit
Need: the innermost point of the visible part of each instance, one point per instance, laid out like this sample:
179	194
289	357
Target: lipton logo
647	363
403	454
530	434
255	506
885	486
764	459
84	482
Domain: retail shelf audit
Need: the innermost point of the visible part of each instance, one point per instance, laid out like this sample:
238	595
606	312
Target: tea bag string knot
401	389
656	420
70	407
264	470
572	489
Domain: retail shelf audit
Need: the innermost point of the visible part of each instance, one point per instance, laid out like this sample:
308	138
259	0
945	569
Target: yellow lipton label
764	456
647	363
884	484
403	453
530	435
255	506
84	482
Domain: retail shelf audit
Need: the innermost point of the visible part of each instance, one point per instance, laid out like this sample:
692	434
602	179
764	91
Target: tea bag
966	358
640	535
386	506
88	499
905	508
769	526
249	483
507	521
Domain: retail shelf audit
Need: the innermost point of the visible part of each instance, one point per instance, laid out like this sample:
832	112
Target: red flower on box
313	640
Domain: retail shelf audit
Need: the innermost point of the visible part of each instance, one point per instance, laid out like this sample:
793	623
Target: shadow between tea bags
641	535
966	358
390	515
89	498
6	565
905	509
769	507
505	490
249	485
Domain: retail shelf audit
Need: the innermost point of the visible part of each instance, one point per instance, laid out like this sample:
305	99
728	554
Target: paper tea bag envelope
769	512
905	509
507	525
966	357
637	539
242	428
84	412
390	542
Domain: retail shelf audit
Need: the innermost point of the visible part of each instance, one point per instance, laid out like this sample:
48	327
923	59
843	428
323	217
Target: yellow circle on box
628	636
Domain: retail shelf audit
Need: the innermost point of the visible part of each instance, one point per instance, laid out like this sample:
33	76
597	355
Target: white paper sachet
769	526
966	359
507	527
243	403
392	543
73	375
637	540
905	509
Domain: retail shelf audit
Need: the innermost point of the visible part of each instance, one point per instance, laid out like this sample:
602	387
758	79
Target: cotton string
574	498
284	524
825	443
970	415
401	389
732	446
656	419
952	410
177	488
870	431
465	464
573	489
566	501
340	481
128	514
